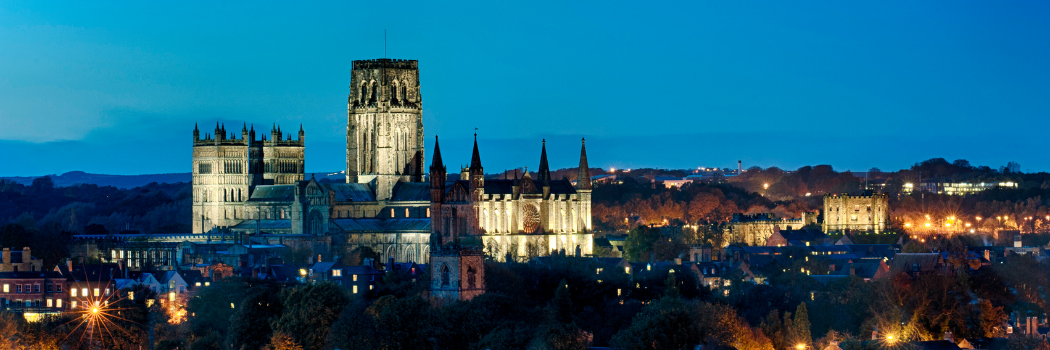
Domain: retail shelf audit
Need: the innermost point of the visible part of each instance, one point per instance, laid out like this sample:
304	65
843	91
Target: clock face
531	218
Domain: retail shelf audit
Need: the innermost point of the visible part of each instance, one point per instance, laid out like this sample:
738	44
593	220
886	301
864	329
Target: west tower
384	128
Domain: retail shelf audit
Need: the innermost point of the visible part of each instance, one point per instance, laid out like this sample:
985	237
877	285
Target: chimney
7	255
677	261
875	334
26	255
739	167
948	336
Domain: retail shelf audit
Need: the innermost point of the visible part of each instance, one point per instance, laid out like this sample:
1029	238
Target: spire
544	173
195	128
300	127
475	159
437	173
436	162
245	127
583	176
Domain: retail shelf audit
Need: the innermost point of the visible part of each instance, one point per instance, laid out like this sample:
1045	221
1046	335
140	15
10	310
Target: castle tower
384	132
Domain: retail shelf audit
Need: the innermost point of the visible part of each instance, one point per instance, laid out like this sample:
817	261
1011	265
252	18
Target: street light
891	339
800	346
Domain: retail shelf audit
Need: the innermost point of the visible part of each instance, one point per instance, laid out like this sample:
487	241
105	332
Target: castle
256	189
855	213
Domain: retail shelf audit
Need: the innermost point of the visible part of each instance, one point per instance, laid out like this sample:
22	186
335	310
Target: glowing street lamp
765	186
800	346
891	339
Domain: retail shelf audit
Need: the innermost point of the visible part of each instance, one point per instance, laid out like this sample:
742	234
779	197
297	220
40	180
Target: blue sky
115	87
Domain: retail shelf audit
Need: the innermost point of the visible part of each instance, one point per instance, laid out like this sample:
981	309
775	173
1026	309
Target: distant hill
119	181
132	181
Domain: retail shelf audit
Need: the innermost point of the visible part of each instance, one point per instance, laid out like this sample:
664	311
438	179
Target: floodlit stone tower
867	213
384	132
226	170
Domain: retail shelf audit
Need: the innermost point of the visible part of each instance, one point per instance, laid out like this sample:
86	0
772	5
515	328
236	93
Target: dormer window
337	273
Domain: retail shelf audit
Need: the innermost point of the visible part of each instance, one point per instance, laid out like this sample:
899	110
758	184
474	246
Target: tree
309	312
402	323
666	324
250	326
992	318
211	307
639	242
801	324
282	341
562	304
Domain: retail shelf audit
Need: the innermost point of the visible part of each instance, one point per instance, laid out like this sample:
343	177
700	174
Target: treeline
639	201
44	217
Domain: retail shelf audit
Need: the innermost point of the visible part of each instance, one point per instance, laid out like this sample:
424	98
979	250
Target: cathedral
256	188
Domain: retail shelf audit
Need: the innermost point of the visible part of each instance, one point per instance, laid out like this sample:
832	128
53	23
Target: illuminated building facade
843	212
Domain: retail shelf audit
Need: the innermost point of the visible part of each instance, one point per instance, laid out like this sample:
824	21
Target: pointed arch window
372	98
444	276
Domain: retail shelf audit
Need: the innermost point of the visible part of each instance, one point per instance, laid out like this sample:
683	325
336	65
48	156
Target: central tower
384	128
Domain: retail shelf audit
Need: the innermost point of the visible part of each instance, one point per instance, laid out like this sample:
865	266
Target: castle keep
843	212
256	190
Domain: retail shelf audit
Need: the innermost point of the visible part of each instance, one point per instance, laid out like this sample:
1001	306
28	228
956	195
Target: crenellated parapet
386	63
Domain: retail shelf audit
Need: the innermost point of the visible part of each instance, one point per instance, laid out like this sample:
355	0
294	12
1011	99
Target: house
15	261
866	269
797	237
146	279
172	282
916	263
90	284
33	292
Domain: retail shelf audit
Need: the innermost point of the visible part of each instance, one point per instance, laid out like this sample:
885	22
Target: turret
583	175
196	132
244	133
218	132
251	135
302	135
